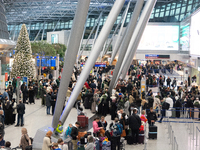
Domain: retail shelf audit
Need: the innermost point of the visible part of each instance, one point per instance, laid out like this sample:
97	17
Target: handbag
29	147
123	131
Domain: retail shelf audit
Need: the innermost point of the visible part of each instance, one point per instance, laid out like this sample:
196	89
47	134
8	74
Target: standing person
171	103
96	128
47	144
103	122
21	112
168	82
25	140
14	83
174	83
10	93
163	110
8	112
31	95
48	102
151	116
5	94
134	124
25	92
2	132
53	101
14	106
116	128
74	135
189	80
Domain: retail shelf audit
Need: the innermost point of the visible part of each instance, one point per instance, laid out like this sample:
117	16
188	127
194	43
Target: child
69	130
59	129
55	146
61	144
143	118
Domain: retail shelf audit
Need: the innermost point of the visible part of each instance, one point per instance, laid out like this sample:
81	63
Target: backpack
118	128
166	105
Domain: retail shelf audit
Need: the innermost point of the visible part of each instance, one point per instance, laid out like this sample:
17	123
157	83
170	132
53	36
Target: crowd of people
128	107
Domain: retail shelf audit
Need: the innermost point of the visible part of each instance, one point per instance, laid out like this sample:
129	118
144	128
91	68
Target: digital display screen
160	37
195	34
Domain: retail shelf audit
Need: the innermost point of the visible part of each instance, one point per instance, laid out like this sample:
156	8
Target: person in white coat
126	107
170	101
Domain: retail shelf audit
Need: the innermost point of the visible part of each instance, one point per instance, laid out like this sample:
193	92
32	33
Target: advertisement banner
6	76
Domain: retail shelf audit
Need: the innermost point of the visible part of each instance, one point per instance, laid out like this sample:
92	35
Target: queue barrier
171	137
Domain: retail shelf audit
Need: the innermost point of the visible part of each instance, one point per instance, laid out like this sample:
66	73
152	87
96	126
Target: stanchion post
193	129
196	137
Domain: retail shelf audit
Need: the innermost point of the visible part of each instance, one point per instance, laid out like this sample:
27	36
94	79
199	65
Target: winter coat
126	107
171	103
46	143
48	100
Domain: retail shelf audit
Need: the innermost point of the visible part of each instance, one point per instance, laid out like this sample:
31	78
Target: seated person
59	129
68	131
90	145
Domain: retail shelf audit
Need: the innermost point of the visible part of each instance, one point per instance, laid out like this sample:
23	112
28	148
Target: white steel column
93	56
70	58
120	36
98	20
126	41
135	40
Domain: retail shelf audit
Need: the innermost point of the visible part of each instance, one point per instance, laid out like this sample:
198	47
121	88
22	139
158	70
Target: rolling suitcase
153	132
173	112
83	120
141	137
129	137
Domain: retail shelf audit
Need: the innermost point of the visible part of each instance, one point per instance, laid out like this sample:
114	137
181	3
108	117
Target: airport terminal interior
100	74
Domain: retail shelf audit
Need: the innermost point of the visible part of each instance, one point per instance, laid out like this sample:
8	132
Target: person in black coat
25	92
74	135
168	82
189	81
8	111
21	112
53	101
31	95
88	99
48	102
151	116
113	110
134	122
178	106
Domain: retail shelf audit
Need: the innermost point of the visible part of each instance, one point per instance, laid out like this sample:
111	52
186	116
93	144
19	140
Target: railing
145	136
172	138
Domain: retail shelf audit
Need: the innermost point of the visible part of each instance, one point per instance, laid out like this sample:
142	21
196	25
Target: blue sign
47	62
25	79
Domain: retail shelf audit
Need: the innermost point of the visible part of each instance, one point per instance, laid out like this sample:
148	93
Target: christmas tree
23	65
